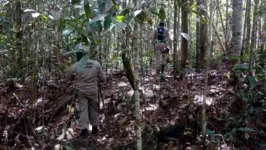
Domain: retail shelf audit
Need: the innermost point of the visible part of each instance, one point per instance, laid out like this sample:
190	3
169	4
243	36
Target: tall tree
175	57
184	29
202	35
254	36
237	27
247	25
136	80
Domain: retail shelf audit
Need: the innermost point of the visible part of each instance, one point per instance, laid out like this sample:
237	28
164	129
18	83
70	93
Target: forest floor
163	105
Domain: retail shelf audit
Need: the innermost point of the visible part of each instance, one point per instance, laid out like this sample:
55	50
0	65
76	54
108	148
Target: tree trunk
203	34
254	36
208	47
198	37
136	82
237	27
248	26
19	36
184	29
175	57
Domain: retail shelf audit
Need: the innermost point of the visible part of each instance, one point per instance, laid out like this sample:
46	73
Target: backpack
160	33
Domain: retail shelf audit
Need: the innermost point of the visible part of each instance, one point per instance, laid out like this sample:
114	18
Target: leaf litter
162	104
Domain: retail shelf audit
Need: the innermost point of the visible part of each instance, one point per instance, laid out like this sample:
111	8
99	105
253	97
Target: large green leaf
137	12
162	14
115	5
75	2
244	97
252	81
82	63
98	18
67	147
124	12
119	18
107	22
149	20
87	10
141	16
240	67
68	30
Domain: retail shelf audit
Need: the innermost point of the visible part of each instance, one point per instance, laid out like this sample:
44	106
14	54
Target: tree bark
237	27
184	29
248	26
254	36
175	57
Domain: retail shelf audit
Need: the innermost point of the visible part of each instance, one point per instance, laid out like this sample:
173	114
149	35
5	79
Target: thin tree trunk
226	27
184	29
19	36
254	36
175	57
198	40
208	47
237	27
248	26
136	82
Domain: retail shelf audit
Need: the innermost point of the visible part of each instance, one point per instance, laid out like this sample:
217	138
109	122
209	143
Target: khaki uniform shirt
87	79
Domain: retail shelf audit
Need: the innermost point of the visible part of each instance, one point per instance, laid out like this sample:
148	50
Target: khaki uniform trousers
87	107
160	58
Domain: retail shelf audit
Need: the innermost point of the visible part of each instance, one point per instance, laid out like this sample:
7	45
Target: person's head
161	24
80	54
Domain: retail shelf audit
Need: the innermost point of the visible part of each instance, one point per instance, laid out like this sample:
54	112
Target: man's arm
101	74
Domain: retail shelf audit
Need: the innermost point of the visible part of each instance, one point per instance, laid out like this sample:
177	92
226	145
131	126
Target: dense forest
212	95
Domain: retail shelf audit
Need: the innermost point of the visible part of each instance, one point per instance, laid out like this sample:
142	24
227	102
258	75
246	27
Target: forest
210	96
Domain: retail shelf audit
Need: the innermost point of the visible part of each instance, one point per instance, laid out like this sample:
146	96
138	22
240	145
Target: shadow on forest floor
170	111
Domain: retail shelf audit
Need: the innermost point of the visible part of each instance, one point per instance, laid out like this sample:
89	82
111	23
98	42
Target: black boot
95	130
84	133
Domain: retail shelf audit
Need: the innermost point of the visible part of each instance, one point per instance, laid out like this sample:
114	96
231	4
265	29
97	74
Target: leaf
82	63
121	25
162	14
75	2
137	12
186	36
234	130
84	39
252	81
149	21
245	129
240	67
87	10
179	2
115	5
67	147
124	12
35	14
243	96
29	10
44	17
107	22
68	30
141	16
119	18
98	18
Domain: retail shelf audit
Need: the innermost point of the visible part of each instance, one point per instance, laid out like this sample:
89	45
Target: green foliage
75	2
240	67
88	11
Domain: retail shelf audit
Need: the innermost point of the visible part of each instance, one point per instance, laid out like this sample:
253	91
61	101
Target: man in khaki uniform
161	42
87	75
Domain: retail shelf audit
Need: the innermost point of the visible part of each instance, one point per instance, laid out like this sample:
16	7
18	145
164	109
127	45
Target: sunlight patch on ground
199	98
151	107
122	84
